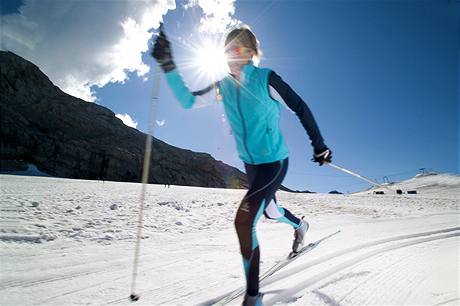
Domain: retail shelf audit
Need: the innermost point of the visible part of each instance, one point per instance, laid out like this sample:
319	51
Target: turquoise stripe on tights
255	242
286	220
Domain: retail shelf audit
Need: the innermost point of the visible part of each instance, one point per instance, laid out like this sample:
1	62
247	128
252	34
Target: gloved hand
162	52
322	156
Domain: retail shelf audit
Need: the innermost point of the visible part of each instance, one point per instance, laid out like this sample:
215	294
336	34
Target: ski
293	256
278	266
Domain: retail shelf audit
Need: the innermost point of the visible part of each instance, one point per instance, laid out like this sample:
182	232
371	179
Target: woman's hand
322	156
162	52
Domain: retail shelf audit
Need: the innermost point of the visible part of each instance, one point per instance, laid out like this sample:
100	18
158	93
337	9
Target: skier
253	115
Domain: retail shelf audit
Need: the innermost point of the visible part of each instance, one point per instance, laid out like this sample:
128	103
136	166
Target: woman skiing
253	115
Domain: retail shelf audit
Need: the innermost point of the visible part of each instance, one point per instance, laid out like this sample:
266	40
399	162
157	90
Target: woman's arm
185	97
163	55
300	108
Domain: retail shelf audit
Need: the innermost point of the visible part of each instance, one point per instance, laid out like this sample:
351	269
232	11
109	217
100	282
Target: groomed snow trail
63	242
399	279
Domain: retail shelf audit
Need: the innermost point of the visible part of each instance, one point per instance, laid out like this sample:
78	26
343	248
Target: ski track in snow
288	294
65	242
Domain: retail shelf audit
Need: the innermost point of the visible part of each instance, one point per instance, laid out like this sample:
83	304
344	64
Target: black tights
264	180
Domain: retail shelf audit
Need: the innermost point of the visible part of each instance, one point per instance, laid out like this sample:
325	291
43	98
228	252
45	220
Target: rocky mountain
67	137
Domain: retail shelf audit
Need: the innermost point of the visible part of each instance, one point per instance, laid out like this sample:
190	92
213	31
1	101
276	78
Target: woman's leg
280	214
272	208
264	180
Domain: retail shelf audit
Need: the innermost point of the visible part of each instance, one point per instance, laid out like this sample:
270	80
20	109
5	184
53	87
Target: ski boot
299	235
253	300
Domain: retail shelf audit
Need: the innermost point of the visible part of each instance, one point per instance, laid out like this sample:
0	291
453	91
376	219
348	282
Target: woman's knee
273	211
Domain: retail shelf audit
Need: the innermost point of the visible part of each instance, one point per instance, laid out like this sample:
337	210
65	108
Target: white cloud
79	44
217	14
127	120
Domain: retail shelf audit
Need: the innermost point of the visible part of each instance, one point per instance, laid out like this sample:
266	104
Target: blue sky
381	77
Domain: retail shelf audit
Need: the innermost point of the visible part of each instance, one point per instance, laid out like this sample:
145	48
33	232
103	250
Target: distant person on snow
247	94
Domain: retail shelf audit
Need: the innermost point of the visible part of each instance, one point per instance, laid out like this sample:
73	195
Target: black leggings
264	180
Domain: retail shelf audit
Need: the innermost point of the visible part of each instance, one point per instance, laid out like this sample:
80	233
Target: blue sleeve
187	98
300	108
180	90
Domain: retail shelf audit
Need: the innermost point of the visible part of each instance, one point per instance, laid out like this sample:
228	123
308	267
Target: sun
210	60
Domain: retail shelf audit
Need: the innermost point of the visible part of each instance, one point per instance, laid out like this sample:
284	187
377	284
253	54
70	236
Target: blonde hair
247	38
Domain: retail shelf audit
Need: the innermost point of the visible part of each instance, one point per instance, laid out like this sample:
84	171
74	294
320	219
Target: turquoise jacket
252	113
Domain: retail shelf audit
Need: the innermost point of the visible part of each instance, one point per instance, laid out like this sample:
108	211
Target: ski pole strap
357	175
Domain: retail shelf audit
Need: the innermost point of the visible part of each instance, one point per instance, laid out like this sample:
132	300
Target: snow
430	184
71	242
31	170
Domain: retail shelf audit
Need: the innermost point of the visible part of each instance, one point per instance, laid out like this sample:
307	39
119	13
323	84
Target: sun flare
210	60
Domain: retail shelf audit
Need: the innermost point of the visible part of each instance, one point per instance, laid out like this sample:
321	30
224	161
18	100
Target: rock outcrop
67	137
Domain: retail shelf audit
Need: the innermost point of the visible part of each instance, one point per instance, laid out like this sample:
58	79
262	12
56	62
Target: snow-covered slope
65	242
428	185
31	170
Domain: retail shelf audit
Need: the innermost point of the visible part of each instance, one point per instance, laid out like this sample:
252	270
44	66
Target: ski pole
358	176
145	176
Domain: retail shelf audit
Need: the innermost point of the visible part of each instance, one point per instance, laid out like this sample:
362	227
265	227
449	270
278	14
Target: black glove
162	52
322	156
